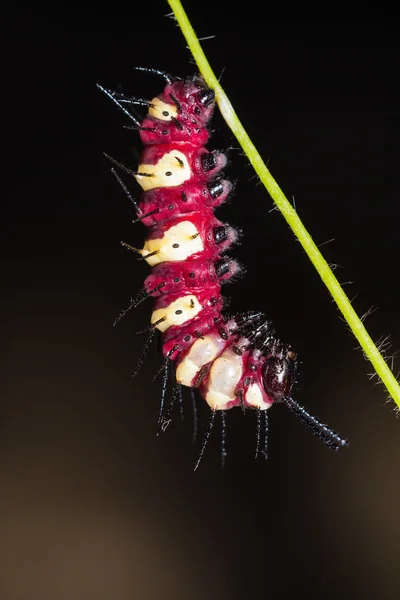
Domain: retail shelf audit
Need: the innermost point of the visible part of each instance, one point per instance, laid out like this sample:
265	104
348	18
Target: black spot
176	279
165	113
220	234
183	197
197	110
186	338
215	188
178	312
175	245
192	303
168	173
208	162
252	367
246	381
221	267
171	207
223	333
192	275
206	97
165	132
180	161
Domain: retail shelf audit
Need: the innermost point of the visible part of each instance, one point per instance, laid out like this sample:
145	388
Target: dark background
92	504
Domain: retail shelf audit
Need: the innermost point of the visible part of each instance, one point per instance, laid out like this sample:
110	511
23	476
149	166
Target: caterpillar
233	361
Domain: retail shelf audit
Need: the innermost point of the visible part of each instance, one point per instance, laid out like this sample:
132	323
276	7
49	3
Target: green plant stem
287	210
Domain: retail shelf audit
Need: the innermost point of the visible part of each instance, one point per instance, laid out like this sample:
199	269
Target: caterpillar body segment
233	361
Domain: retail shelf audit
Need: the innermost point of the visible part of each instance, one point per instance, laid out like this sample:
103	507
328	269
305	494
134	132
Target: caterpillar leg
144	352
166	76
136	300
180	397
206	438
258	432
265	449
165	419
131	100
163	391
125	189
195	416
223	438
261	418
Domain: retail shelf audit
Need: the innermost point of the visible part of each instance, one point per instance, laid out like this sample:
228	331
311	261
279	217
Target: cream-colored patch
254	397
171	170
224	376
178	312
217	401
178	243
202	352
163	111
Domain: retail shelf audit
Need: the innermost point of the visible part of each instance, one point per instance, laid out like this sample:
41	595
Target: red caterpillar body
233	361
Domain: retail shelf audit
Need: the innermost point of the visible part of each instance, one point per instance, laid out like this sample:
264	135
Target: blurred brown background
92	504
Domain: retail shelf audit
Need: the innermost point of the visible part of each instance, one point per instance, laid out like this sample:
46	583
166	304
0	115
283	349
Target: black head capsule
215	188
278	377
208	162
220	234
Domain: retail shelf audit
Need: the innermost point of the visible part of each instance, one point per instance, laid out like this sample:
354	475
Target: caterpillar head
180	113
192	101
279	373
